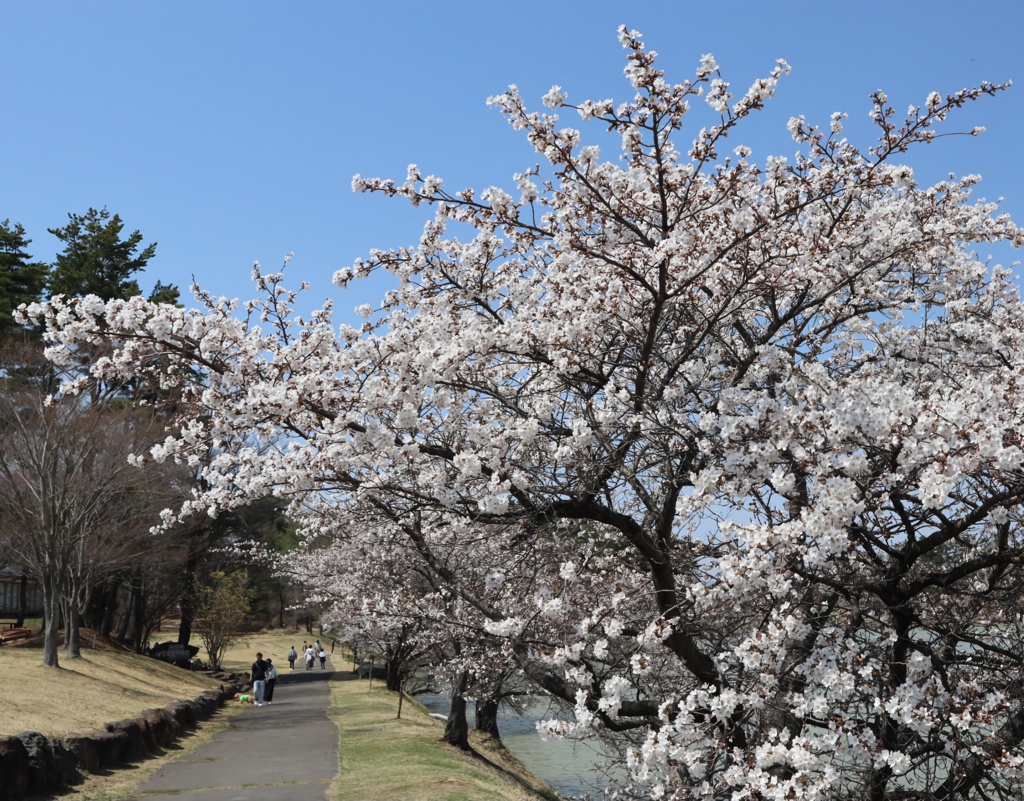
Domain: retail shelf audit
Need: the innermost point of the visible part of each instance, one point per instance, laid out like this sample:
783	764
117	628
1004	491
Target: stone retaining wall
32	763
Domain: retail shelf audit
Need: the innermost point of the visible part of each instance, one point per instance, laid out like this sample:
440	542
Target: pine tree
21	279
96	260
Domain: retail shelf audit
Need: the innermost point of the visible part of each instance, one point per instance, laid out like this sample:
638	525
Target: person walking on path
259	679
292	656
323	659
318	647
271	681
310	656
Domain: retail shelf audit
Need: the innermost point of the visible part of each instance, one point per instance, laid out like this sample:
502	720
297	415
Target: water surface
567	765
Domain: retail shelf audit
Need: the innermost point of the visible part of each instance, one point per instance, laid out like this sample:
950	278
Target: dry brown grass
108	683
82	695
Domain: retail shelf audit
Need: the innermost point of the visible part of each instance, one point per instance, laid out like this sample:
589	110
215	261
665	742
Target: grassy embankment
381	757
418	766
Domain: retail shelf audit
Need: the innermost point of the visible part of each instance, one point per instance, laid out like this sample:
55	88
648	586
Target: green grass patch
382	757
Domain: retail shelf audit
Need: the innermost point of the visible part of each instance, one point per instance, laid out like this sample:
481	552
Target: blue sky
229	131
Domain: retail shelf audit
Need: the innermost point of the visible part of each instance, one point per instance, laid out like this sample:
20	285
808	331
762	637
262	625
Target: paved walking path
268	753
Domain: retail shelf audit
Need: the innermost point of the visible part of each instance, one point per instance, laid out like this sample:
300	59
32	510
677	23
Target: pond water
567	765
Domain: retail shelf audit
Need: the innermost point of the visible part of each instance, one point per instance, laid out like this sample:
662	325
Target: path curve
283	750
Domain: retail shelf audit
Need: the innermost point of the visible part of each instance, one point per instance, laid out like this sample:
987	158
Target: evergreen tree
21	279
165	293
96	260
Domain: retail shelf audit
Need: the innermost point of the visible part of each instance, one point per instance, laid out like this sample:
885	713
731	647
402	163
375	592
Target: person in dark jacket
268	696
259	679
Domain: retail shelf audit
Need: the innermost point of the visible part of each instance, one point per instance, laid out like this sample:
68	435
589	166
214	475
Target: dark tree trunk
396	675
487	717
456	730
187	604
126	619
199	543
51	621
72	629
110	606
139	616
187	615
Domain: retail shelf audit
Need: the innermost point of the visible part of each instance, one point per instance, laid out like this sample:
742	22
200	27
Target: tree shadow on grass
512	768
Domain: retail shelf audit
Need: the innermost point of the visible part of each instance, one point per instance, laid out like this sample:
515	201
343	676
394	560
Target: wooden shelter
20	597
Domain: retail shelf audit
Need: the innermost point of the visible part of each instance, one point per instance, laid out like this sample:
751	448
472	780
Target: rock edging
32	763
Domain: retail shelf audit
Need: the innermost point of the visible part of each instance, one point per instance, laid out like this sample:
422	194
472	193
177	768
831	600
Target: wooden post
401	696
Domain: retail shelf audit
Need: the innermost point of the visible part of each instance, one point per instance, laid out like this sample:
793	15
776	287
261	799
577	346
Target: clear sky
229	132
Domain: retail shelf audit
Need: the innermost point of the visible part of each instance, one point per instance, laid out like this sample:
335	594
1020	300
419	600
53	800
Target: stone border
32	763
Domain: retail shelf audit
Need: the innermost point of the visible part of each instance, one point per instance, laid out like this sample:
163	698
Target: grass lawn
383	757
84	694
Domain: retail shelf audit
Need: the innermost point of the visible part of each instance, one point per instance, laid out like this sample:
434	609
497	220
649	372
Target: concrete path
288	749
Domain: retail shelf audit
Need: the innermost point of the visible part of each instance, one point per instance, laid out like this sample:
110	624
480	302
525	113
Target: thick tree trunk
198	547
188	609
110	606
72	629
487	717
456	730
395	675
139	616
122	626
185	627
51	621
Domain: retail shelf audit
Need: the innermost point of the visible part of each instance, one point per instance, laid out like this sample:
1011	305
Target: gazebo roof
11	573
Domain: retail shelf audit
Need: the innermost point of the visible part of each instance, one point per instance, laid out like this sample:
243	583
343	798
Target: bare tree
72	506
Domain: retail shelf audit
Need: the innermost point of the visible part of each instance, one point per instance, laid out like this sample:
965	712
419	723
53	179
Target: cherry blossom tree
781	401
379	593
369	592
